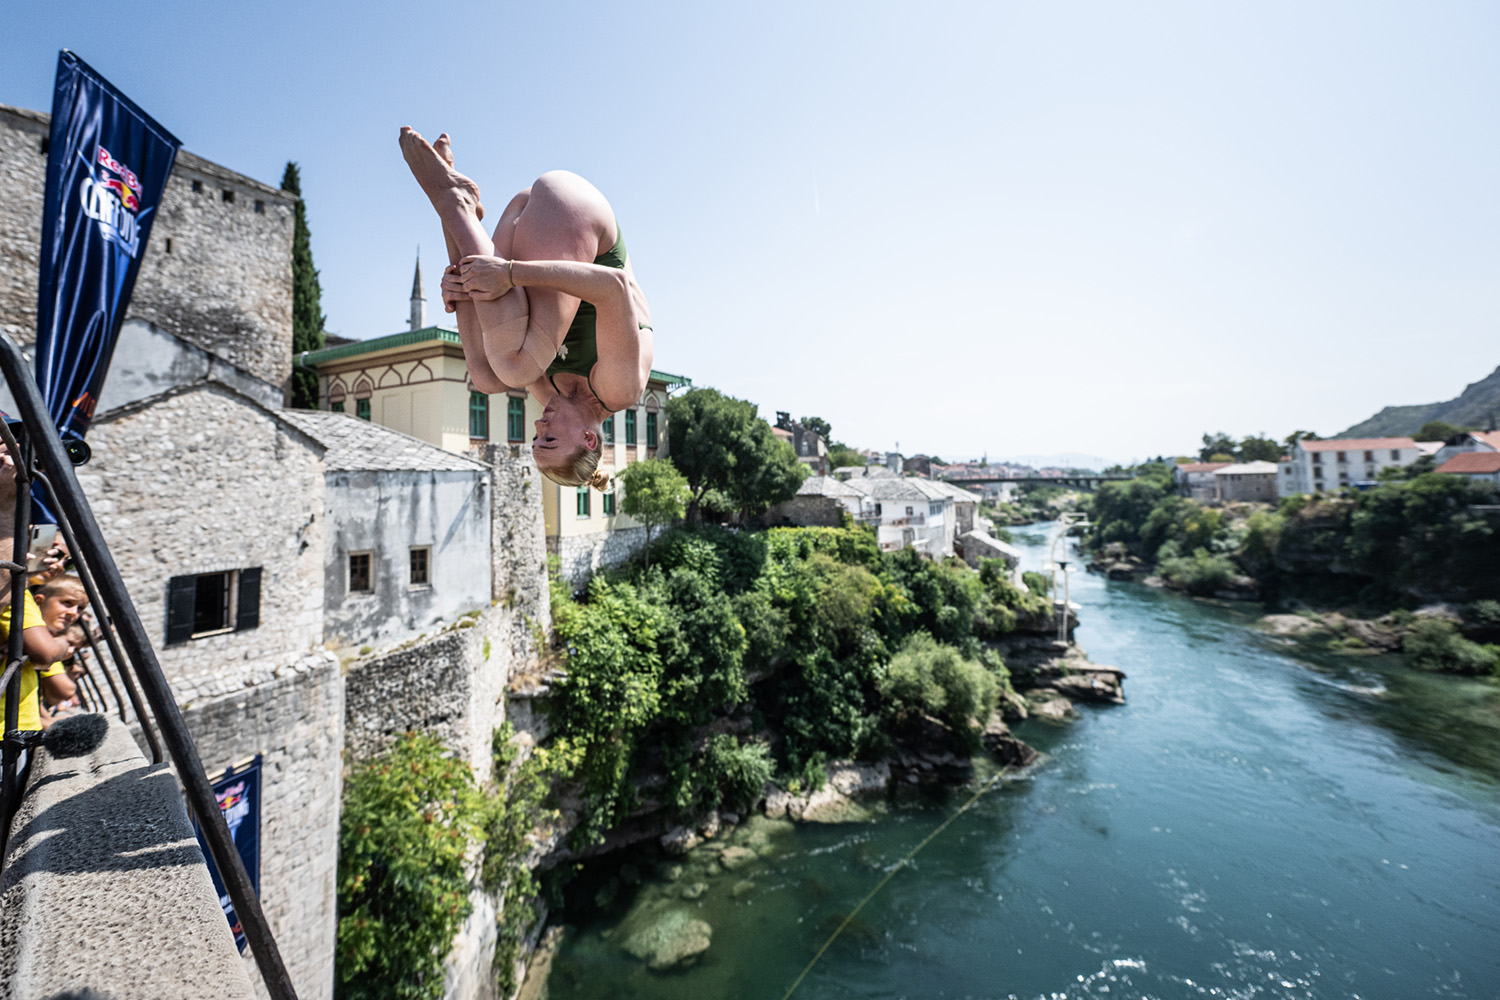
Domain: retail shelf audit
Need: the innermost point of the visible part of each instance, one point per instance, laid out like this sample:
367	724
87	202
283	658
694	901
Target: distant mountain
1477	406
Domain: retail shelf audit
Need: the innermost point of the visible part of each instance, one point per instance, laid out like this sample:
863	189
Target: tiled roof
959	494
358	445
1491	438
1473	462
1356	444
1248	469
1201	466
887	488
826	486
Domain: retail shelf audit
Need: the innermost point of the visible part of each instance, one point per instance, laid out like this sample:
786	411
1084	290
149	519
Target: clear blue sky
966	227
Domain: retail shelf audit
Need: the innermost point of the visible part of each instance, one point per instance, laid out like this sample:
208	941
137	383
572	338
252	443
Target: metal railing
42	460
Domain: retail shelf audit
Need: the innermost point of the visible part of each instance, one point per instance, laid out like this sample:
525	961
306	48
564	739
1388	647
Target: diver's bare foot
434	171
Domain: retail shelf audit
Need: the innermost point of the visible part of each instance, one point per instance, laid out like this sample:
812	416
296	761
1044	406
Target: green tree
841	455
408	821
1259	449
308	320
726	451
655	494
1291	439
1439	430
1215	445
820	427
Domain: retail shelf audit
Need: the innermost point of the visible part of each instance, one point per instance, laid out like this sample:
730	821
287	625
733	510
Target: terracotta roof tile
1472	462
1356	444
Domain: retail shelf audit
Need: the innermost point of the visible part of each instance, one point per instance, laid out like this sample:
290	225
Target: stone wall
580	556
105	893
518	533
202	480
296	722
387	513
215	272
807	512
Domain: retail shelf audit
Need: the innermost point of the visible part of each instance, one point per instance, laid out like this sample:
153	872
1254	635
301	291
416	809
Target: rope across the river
888	876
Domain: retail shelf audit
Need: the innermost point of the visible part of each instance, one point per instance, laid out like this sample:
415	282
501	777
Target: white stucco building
1339	462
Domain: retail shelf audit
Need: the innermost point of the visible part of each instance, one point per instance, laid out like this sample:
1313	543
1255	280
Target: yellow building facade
416	382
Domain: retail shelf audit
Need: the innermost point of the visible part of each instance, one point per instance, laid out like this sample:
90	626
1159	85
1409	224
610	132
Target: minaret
418	302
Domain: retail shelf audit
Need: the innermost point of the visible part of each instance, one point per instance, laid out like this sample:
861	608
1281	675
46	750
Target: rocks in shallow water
834	802
694	890
1092	686
742	888
1051	707
1006	748
679	840
664	936
734	857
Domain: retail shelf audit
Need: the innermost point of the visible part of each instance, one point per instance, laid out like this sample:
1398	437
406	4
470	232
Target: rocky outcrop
835	801
1007	749
1116	563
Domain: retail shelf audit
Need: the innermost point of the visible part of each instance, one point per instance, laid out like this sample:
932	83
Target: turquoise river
1260	820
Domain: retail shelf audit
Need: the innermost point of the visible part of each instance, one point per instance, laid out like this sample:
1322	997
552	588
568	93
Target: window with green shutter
630	427
336	407
608	427
362	408
583	501
515	419
479	416
650	430
609	504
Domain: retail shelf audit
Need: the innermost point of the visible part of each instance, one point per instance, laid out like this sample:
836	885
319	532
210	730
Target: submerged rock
1052	707
679	840
734	857
664	936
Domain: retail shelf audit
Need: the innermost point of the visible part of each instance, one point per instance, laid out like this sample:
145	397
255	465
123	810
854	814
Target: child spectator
41	641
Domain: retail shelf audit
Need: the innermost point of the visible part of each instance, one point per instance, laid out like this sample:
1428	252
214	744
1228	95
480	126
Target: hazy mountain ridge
1477	406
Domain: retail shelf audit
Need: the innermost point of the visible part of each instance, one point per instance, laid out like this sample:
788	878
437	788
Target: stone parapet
105	892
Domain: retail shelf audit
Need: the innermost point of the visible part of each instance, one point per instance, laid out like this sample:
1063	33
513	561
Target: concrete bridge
1079	481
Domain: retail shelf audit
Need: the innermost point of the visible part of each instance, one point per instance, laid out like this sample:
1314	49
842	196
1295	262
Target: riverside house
1339	462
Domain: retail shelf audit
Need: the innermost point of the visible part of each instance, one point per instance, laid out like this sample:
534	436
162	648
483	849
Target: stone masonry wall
203	480
518	533
296	722
581	556
223	284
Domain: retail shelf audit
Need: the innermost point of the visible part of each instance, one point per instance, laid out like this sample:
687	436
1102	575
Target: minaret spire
418	300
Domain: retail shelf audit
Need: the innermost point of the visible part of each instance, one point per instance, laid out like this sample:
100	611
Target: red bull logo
111	199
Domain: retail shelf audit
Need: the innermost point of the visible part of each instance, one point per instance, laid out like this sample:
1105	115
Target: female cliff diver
549	303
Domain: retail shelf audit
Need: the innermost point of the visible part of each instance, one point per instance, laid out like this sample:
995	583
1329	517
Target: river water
1260	820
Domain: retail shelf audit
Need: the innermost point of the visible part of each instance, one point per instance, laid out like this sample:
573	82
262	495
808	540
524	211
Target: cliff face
1477	406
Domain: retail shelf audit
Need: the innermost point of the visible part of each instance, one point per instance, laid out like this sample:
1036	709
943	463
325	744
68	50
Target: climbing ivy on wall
409	818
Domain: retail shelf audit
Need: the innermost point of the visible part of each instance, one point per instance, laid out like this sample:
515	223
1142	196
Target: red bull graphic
107	169
238	793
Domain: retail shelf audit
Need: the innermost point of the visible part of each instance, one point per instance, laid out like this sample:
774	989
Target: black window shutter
247	614
182	593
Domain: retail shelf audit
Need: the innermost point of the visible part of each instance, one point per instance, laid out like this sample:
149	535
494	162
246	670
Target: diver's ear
591	440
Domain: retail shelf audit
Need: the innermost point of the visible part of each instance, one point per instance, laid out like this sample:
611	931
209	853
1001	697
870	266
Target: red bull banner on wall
238	793
107	167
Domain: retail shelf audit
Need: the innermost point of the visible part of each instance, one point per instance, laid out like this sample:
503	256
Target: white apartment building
1334	464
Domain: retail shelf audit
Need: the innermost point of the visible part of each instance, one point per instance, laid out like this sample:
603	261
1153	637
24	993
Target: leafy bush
734	773
1199	573
1434	644
928	677
409	817
1039	584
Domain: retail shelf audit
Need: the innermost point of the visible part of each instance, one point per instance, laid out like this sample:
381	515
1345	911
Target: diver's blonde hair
582	469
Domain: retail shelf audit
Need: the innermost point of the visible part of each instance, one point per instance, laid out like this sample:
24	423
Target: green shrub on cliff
409	818
933	679
1434	644
1199	573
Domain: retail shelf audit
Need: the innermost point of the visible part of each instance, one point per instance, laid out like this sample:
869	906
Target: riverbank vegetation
665	695
1410	541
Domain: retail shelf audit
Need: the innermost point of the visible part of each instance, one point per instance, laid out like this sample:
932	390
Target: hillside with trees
1477	407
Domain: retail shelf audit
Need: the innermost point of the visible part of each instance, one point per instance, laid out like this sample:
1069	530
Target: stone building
213	504
1245	481
407	531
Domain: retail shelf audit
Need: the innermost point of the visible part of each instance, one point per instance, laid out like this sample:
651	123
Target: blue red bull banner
107	167
238	792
